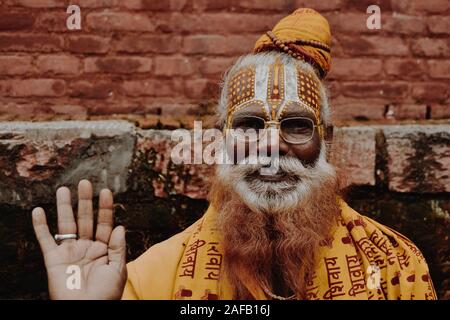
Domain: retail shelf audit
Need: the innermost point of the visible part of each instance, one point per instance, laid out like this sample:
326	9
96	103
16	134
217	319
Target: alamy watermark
227	147
73	21
73	281
373	22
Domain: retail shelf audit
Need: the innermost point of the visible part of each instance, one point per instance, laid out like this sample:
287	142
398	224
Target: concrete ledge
36	158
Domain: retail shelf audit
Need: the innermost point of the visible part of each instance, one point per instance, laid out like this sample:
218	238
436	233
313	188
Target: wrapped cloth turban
305	35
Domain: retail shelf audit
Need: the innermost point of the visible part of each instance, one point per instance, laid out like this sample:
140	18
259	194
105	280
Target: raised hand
100	260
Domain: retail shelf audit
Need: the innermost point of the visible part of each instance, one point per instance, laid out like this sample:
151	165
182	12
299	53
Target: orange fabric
302	25
361	260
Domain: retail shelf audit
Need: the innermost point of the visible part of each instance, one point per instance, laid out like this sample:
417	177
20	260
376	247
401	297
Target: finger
105	216
117	248
45	239
85	215
66	221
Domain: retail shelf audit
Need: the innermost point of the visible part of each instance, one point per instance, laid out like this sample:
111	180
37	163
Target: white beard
272	196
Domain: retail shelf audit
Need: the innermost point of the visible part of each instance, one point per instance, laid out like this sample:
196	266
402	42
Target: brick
40	3
58	64
218	45
404	24
373	45
118	65
119	21
418	158
173	66
420	7
353	152
15	65
358	109
439	24
170	109
19	109
149	87
333	88
410	111
273	5
167	22
215	66
406	68
200	88
113	108
319	5
430	92
178	5
87	44
212	23
16	21
428	47
30	43
98	3
68	109
356	68
151	5
439	69
391	90
440	111
92	89
212	5
350	22
149	43
33	88
54	21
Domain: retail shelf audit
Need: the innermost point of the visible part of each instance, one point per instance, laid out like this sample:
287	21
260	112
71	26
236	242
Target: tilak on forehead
276	88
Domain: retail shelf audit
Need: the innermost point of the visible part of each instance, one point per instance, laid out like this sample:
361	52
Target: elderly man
283	235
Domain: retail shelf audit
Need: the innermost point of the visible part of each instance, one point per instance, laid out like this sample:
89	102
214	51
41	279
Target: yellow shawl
362	260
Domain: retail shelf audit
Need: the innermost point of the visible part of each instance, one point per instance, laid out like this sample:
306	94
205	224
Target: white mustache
287	165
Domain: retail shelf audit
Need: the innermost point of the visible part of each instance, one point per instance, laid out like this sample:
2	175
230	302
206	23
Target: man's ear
329	133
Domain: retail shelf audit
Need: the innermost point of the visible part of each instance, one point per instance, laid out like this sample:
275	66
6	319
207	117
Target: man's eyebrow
243	113
298	113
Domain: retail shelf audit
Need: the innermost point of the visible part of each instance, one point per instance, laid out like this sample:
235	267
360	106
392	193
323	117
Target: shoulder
151	275
376	233
401	262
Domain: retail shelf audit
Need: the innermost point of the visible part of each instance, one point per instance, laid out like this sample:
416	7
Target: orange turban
305	34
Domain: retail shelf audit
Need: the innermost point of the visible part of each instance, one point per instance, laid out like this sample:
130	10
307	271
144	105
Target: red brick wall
166	57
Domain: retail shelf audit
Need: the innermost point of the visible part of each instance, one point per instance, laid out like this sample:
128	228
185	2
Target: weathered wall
166	57
399	175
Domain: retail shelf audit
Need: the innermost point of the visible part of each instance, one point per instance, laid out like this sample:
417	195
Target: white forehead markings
261	83
290	85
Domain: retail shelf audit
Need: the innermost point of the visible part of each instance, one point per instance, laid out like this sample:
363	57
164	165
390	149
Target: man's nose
271	144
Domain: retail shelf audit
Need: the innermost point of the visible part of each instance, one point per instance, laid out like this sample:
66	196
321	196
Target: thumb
117	248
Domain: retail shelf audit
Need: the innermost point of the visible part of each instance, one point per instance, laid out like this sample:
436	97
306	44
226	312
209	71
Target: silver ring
61	237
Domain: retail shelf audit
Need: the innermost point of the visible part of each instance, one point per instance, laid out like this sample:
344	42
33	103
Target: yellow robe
361	260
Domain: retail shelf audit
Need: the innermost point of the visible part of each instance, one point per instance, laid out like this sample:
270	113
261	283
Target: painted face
275	91
278	92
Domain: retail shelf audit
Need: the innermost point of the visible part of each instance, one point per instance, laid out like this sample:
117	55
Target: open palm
99	263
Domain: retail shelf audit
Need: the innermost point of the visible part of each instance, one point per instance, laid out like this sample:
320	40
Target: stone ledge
36	158
418	158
